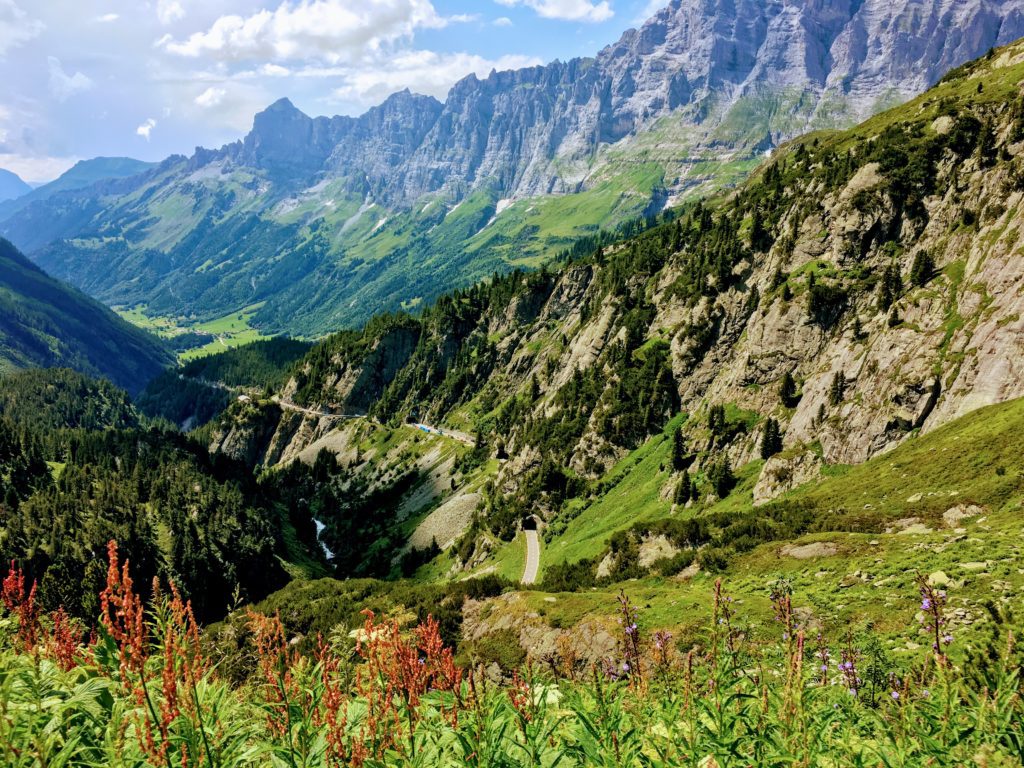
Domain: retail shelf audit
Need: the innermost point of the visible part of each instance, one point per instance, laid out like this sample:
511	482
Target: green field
231	330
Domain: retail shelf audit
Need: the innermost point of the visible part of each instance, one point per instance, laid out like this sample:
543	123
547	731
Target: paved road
532	557
290	406
451	434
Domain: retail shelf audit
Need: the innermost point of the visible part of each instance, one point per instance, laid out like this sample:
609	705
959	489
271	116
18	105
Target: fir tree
787	390
771	440
923	269
837	391
678	451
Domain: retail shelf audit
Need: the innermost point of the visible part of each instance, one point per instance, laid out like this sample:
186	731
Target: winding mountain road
451	434
287	405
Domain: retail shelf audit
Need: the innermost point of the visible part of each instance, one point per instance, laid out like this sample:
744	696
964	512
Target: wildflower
895	695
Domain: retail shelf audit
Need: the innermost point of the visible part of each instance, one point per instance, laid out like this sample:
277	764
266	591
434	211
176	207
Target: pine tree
837	391
890	289
721	477
534	389
771	440
716	419
787	390
923	268
682	495
678	451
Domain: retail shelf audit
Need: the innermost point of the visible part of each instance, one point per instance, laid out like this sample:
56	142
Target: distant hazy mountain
11	186
325	221
44	323
83	174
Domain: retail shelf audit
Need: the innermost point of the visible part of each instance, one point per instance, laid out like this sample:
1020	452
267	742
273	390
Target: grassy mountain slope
655	401
45	324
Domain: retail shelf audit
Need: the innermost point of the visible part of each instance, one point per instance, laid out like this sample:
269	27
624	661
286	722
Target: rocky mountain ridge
834	63
322	222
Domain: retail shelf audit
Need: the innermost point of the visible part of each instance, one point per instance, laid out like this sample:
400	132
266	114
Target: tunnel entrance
530	523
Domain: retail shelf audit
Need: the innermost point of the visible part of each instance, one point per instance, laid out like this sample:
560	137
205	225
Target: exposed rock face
536	131
944	342
323	222
784	474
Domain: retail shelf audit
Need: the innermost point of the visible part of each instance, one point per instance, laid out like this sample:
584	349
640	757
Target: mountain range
860	290
318	223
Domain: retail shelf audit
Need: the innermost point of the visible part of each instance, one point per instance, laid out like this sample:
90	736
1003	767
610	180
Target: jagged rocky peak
536	130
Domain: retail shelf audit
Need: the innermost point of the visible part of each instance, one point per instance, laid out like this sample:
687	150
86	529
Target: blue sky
148	78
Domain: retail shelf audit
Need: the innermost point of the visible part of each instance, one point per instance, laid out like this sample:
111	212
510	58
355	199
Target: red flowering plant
396	673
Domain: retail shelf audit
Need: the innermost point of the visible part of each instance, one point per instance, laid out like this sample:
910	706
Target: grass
226	332
392	694
865	575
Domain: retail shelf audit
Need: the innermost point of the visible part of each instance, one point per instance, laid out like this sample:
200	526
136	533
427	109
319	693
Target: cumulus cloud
106	18
332	30
425	72
36	169
146	128
503	21
211	97
569	10
16	27
62	85
169	11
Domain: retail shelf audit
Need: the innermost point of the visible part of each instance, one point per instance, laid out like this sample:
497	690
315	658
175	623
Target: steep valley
856	301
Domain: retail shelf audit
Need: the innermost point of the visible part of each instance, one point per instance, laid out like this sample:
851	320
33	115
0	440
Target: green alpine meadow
661	406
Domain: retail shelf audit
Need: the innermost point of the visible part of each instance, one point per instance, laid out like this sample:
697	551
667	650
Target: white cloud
569	10
62	85
169	11
332	30
503	21
425	72
211	97
106	18
15	26
146	128
652	7
36	170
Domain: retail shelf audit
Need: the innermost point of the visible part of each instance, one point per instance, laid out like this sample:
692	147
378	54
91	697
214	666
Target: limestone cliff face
744	75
